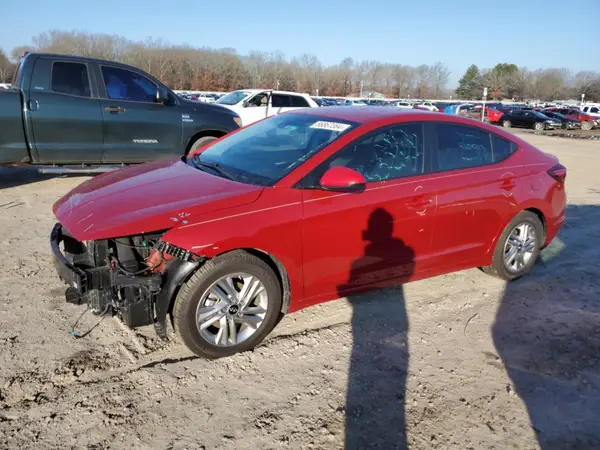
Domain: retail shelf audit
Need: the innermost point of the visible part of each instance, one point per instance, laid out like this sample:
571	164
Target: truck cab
65	110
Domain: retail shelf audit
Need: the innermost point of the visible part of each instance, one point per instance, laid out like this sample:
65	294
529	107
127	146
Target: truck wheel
587	125
202	142
506	124
518	247
229	305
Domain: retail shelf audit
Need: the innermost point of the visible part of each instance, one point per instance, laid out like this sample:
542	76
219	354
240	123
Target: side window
393	152
461	146
124	84
298	102
594	110
70	78
502	148
280	101
257	100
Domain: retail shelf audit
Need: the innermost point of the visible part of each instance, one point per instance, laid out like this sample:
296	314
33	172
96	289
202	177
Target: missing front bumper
93	281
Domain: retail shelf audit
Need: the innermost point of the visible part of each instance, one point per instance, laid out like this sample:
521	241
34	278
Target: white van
253	105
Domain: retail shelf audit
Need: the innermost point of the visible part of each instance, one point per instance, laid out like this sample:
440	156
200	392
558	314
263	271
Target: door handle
419	202
33	105
508	184
114	109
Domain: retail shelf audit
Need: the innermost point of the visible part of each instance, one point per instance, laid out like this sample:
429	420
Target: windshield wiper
213	166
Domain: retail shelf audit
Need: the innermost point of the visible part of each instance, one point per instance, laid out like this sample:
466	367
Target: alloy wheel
232	309
519	247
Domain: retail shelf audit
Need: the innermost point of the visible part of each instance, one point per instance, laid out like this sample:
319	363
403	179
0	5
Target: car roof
369	114
255	90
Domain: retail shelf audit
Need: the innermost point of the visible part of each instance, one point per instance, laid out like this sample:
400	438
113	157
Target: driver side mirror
162	96
343	179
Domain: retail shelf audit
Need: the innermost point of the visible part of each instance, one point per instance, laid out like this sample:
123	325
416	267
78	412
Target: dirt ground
461	361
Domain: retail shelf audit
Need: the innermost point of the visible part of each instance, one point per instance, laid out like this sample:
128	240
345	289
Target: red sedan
302	208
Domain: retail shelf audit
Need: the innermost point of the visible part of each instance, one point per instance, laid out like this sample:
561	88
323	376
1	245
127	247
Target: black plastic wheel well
540	216
201	134
281	273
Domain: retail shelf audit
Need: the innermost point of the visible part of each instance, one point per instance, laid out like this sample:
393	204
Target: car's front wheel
539	126
506	124
518	247
587	125
228	306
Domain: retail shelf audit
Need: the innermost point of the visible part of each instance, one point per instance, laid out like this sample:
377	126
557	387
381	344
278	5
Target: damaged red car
301	208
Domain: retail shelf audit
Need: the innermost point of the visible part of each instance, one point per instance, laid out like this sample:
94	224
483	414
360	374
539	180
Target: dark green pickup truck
80	114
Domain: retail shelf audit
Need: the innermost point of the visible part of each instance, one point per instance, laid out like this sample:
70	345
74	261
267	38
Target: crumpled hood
146	198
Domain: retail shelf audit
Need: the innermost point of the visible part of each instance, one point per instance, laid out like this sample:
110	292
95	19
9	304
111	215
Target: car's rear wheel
518	247
202	142
228	306
587	125
539	126
506	124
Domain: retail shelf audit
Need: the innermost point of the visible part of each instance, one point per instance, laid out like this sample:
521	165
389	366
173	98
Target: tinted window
71	78
298	102
280	101
123	84
461	146
502	148
594	110
393	152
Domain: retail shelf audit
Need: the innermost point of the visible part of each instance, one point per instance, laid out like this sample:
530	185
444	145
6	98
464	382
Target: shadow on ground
547	332
375	402
19	176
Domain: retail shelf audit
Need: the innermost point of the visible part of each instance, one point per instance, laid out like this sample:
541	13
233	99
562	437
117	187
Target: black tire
498	268
587	125
506	124
186	303
202	142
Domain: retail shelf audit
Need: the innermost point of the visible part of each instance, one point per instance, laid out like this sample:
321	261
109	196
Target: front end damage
135	277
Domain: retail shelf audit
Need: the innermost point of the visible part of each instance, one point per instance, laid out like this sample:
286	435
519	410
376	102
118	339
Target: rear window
502	148
70	78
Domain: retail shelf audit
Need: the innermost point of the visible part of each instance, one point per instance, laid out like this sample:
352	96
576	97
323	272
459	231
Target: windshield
233	98
265	152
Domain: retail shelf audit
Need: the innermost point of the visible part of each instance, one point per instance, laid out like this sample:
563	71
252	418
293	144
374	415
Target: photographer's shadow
375	416
547	333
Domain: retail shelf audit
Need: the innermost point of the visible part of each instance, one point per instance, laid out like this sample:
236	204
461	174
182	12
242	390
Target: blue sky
531	33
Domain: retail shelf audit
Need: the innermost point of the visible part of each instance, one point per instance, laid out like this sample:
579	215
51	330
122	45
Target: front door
65	113
136	127
255	108
377	237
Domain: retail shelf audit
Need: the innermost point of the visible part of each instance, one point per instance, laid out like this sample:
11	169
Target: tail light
558	172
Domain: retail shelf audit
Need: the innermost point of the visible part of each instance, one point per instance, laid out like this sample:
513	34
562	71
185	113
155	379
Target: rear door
287	102
474	186
136	127
65	112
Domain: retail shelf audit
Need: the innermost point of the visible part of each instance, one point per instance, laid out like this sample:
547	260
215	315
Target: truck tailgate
13	147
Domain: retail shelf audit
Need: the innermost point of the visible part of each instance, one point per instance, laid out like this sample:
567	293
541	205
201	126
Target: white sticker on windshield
331	126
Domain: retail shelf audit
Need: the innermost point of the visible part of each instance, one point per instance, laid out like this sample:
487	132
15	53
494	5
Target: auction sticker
331	126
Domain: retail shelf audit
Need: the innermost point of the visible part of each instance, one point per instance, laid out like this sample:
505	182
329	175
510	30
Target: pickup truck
73	114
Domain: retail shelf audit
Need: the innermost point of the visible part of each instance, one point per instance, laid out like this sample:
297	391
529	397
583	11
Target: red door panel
471	205
377	237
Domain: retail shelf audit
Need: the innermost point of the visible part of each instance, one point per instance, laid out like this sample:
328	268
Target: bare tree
187	67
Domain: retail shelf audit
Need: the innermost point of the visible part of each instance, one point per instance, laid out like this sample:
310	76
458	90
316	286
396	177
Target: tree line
509	81
185	67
